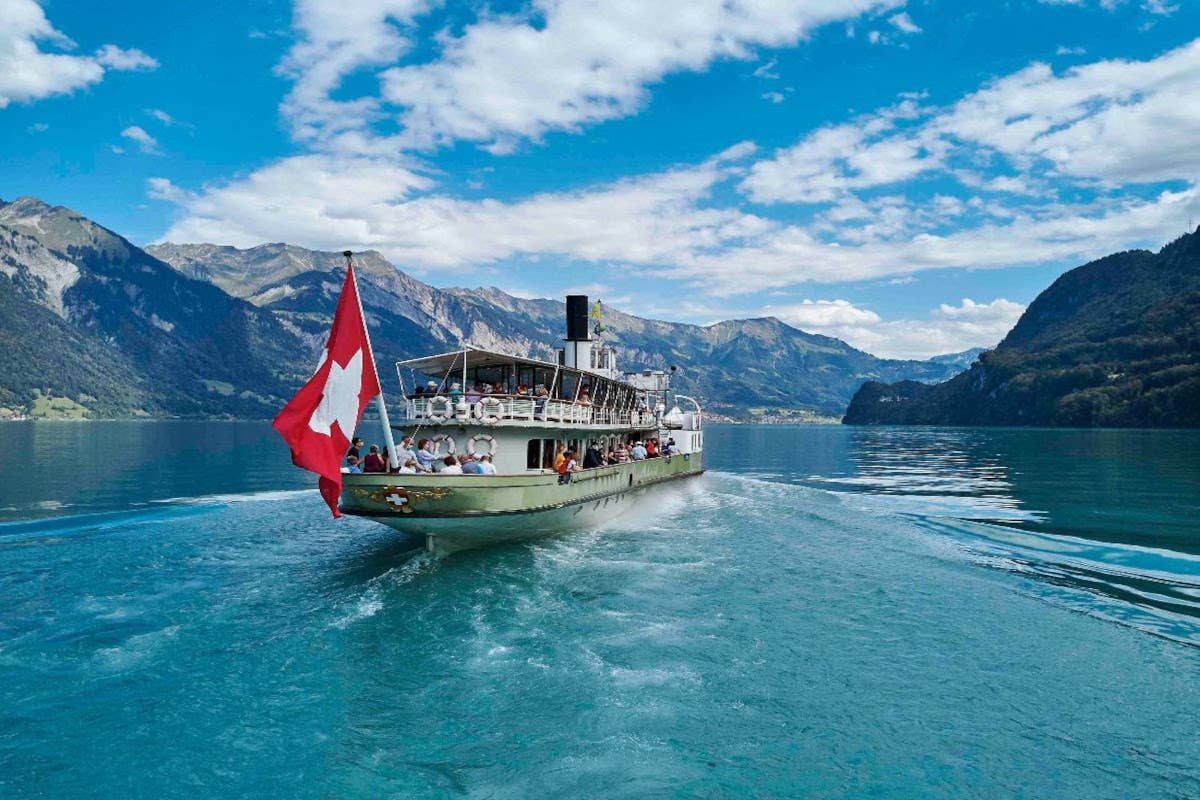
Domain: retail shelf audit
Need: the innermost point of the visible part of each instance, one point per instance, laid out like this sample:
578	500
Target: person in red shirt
651	448
374	462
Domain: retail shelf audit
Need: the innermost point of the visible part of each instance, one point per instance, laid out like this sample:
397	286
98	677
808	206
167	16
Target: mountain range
95	326
1113	343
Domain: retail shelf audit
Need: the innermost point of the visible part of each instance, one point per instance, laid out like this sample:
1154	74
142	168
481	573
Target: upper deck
480	387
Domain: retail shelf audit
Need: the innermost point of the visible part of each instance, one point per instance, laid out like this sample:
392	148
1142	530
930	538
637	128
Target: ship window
533	454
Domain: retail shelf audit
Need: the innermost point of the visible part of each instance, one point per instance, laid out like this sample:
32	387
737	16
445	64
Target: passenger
409	467
419	392
560	459
638	453
431	389
452	467
352	465
406	449
426	454
374	462
456	392
666	448
592	457
474	396
585	396
540	398
485	462
652	448
355	447
522	390
472	467
568	466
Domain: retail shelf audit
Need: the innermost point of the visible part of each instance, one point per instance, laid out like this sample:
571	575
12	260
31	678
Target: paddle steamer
540	408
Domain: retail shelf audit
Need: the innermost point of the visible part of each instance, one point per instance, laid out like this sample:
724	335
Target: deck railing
496	409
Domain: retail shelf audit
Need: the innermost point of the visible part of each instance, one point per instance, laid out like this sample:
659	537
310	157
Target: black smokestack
577	318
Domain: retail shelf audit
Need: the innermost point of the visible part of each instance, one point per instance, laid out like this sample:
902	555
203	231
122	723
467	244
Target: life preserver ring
472	446
489	410
448	439
440	409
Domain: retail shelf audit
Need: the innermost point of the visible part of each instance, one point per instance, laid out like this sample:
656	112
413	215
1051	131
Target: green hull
417	496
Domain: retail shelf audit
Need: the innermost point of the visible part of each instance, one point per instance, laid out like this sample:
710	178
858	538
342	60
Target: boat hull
456	512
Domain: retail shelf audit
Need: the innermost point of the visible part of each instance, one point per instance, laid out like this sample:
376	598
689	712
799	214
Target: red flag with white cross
319	421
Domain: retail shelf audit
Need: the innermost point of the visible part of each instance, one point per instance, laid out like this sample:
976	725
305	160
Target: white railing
496	410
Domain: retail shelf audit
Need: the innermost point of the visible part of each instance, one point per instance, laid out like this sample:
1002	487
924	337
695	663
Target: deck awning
445	362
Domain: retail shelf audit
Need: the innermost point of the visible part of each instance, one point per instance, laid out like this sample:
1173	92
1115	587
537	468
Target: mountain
112	331
1115	342
735	365
961	360
93	325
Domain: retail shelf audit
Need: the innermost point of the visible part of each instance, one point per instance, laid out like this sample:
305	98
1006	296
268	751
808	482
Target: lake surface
828	612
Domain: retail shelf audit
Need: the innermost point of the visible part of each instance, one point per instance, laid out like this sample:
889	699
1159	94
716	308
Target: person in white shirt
452	466
638	453
488	467
409	467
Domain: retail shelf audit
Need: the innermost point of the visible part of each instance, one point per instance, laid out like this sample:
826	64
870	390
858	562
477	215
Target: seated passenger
355	447
585	397
638	453
485	462
352	465
419	392
474	395
374	462
472	467
431	389
452	467
522	390
409	467
651	448
456	392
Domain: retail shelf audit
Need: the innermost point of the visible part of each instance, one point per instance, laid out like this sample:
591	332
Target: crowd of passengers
476	392
426	457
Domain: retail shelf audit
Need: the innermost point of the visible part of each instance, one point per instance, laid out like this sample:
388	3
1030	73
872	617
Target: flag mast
393	456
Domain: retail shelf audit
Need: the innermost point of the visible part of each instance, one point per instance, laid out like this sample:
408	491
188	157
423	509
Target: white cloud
832	161
947	329
1063	50
38	127
27	73
115	58
774	97
145	142
1012	207
336	39
903	23
508	78
1101	121
767	71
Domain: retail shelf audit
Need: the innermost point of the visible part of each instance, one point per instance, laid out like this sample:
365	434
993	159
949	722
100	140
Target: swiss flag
318	422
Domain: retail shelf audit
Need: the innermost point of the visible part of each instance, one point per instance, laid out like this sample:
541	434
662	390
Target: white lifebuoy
448	439
489	410
440	412
472	446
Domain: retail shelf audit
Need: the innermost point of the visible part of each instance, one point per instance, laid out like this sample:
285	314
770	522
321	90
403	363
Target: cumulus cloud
559	65
28	73
1040	134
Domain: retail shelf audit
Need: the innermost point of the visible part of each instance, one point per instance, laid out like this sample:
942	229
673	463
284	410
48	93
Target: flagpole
393	456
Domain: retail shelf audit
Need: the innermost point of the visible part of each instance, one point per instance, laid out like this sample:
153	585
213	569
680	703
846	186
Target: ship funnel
578	350
577	318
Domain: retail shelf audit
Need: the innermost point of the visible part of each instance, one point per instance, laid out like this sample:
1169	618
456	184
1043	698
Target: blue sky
906	176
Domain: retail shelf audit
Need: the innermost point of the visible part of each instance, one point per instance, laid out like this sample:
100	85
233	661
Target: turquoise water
829	612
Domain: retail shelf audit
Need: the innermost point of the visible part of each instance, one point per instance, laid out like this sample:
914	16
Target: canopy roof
444	362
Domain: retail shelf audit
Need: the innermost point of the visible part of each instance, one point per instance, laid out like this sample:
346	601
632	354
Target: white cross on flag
319	421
